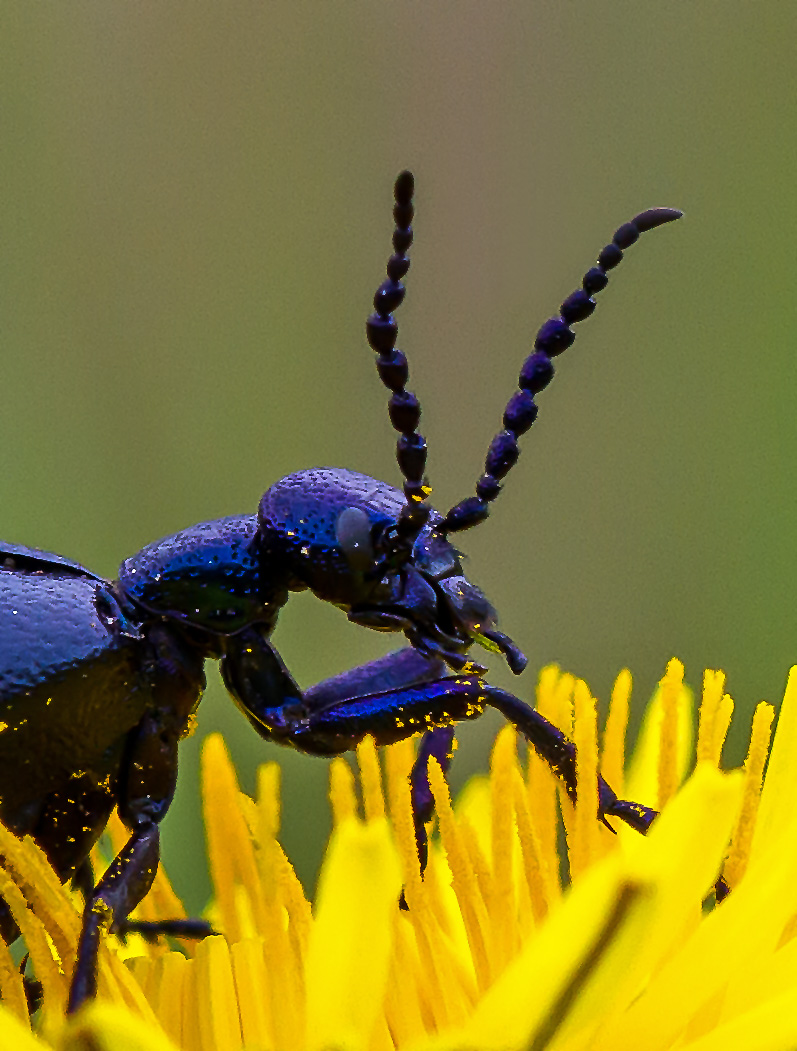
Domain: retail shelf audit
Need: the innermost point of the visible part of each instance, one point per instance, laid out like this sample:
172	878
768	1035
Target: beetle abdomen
69	687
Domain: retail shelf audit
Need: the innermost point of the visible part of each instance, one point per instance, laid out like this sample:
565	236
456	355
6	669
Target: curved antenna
554	336
404	409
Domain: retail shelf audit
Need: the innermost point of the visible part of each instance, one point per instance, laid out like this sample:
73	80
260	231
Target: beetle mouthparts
500	643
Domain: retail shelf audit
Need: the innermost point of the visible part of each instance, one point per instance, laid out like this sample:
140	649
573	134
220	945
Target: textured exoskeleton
99	678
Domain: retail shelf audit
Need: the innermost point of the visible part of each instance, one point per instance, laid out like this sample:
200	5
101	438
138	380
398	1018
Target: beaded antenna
403	407
554	336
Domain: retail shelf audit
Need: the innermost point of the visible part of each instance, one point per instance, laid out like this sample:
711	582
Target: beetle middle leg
435	744
549	742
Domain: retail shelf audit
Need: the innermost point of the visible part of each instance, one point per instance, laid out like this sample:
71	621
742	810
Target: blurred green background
196	211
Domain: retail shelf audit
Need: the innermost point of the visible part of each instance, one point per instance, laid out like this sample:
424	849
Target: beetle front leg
256	676
391	699
549	742
266	692
185	927
560	754
394	715
401	668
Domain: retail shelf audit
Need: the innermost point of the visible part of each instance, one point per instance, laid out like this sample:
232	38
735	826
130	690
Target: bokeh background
196	210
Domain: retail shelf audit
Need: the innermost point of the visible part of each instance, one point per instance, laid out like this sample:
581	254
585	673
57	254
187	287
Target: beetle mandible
99	678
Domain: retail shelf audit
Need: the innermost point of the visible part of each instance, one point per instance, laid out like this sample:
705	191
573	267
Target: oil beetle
99	678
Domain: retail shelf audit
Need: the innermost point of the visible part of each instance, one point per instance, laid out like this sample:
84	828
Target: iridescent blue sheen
99	679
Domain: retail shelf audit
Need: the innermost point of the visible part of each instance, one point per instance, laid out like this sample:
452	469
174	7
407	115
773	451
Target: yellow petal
642	777
628	907
613	753
770	1027
217	1003
16	1036
523	999
351	940
106	1027
698	960
777	815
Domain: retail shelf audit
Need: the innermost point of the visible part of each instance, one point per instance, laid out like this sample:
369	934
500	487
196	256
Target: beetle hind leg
151	930
126	881
146	787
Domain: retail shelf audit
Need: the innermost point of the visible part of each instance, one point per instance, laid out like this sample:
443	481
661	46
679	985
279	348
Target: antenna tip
405	186
655	217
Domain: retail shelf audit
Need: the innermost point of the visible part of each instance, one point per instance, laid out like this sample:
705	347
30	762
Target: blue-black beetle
99	678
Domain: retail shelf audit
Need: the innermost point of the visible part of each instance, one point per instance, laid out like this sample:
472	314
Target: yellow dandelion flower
515	937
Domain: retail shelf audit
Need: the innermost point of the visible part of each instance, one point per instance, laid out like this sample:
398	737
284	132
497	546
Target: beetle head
383	555
335	532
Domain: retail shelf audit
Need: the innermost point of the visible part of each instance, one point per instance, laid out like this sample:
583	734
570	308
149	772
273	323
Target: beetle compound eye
353	532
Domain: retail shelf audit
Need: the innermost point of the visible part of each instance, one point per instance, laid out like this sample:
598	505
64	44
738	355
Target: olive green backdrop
196	210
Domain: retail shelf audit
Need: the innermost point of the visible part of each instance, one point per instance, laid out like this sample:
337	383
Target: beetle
99	679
